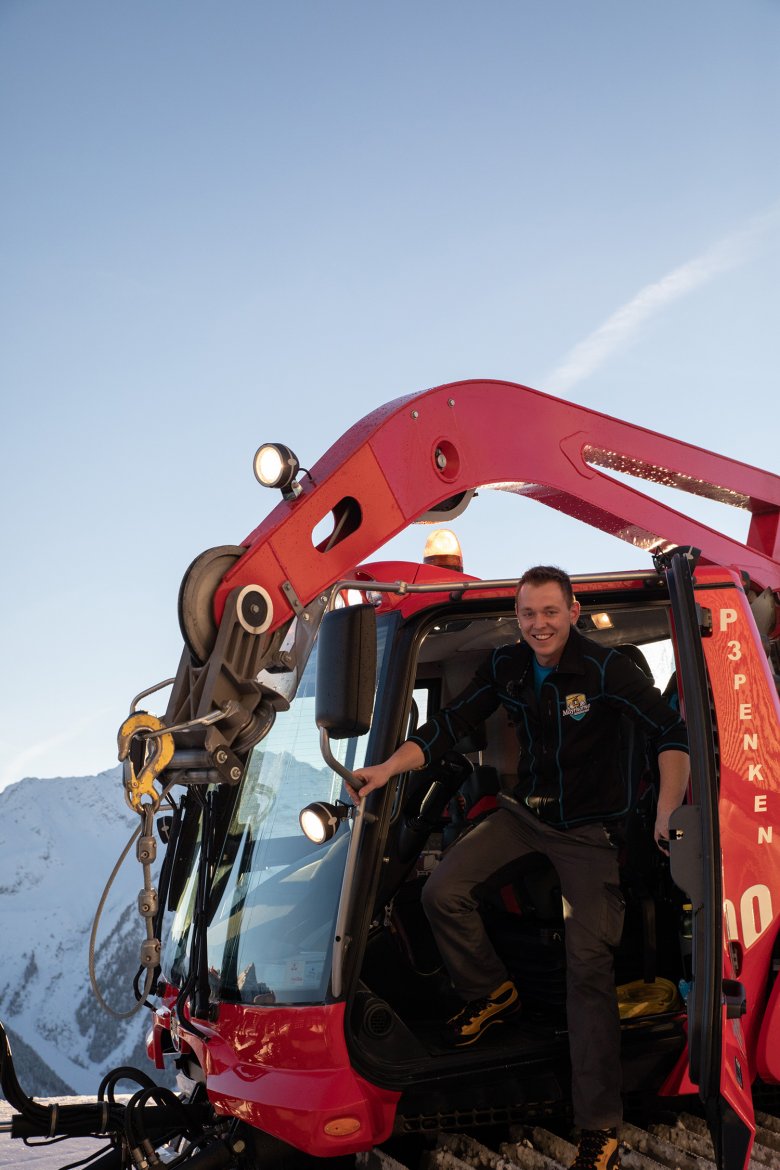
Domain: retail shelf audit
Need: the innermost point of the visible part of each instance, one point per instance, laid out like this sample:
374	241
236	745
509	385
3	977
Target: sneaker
476	1017
598	1150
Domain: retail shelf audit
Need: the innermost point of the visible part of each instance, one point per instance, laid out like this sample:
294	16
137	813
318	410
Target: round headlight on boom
276	466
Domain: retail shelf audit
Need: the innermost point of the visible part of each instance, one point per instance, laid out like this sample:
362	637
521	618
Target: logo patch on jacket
576	706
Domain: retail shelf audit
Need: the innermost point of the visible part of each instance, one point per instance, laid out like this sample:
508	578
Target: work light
276	466
320	820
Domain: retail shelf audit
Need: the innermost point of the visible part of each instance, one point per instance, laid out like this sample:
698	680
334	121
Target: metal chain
146	852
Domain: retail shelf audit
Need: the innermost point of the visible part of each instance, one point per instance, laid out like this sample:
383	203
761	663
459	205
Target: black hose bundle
178	1122
49	1121
152	1117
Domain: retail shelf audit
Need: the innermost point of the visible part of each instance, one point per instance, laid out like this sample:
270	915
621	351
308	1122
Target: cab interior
404	995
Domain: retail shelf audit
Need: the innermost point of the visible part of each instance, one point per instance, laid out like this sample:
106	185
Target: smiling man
546	612
566	696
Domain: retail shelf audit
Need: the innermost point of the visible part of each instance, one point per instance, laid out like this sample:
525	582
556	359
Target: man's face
545	619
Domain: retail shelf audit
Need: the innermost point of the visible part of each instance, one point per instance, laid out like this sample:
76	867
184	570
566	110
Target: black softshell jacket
574	766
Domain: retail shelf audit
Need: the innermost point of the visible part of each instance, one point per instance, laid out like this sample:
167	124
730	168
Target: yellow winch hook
140	792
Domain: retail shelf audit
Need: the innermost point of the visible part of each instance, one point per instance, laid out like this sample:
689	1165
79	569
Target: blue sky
228	223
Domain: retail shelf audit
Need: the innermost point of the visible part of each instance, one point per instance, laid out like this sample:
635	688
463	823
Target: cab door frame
695	861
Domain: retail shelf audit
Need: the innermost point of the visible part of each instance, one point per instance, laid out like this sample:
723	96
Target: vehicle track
685	1145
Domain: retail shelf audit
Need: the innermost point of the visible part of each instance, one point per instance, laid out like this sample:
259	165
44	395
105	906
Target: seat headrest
638	658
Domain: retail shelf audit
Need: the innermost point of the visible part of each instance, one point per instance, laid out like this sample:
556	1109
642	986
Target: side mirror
346	671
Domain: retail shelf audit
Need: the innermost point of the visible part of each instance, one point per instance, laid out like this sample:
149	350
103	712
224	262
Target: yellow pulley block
140	792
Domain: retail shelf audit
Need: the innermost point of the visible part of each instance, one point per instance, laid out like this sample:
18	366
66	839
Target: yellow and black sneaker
598	1150
474	1018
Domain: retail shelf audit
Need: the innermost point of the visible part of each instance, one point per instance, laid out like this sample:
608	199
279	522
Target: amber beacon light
442	548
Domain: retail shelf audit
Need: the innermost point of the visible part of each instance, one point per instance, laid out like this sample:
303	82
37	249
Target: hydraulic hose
49	1121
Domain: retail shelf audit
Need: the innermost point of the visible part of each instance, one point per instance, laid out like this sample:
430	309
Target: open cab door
722	842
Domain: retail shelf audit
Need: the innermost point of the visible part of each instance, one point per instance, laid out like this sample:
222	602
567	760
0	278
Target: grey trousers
586	862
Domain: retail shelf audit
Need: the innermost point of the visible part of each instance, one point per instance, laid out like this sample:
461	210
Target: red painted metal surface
286	1071
748	727
384	473
748	719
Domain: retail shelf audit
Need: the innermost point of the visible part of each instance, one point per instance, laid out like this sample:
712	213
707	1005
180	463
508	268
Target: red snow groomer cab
298	987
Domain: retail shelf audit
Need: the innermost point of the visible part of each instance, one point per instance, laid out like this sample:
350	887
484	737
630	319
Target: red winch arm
409	455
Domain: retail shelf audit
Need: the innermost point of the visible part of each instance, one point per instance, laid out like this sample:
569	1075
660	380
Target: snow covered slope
59	841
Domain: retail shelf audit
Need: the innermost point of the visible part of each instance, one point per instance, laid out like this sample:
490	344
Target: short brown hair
542	575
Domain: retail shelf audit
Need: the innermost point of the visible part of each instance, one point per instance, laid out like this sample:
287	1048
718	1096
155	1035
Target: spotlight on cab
320	820
276	466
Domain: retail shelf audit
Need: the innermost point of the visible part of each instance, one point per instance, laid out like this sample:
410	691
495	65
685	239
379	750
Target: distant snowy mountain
59	841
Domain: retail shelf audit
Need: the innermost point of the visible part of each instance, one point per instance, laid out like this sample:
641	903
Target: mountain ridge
59	840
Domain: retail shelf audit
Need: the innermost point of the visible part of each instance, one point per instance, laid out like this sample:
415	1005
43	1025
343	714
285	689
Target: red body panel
414	574
748	717
748	722
286	1071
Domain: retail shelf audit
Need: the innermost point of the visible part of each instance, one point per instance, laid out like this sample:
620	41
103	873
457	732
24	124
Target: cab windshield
276	895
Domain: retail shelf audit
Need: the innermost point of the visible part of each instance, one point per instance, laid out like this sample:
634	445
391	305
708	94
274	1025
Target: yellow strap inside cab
647	999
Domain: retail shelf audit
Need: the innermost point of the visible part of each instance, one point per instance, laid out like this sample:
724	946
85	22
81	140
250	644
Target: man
566	696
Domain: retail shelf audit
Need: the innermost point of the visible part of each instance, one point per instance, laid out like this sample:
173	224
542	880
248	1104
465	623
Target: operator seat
637	657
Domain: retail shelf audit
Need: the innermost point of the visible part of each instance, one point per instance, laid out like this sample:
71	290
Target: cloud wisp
14	768
623	325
